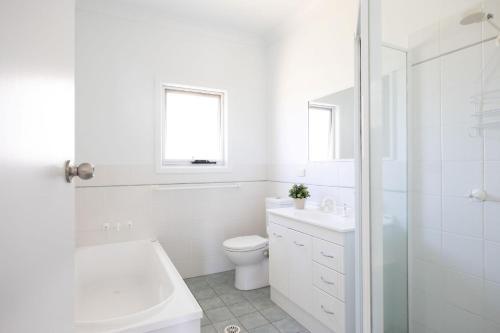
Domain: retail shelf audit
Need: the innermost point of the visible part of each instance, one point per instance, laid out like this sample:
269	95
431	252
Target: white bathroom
266	166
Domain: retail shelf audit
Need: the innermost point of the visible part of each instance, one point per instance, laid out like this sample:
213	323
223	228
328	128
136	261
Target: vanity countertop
316	217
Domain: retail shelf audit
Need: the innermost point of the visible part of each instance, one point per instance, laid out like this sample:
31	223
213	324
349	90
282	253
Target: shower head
476	17
479	17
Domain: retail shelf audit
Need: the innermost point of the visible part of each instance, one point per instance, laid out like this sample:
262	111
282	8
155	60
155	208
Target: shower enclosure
431	127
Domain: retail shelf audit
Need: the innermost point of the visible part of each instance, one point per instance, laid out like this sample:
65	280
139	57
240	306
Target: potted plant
299	194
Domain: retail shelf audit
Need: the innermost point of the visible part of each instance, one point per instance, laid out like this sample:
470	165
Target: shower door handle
83	171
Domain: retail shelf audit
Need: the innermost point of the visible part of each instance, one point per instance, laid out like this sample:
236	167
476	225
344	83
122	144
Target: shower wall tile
426	94
427	245
492	180
426	177
463	253
491	305
463	290
459	145
460	83
492	221
455	242
427	211
492	262
463	216
459	178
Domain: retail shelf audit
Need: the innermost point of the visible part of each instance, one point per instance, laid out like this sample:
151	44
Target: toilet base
251	277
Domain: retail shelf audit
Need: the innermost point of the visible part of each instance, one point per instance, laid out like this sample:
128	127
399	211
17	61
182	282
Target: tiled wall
191	223
454	241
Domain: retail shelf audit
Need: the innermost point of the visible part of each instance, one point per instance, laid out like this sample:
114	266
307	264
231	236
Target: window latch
203	162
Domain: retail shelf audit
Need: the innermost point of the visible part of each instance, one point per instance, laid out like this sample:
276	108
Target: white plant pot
299	203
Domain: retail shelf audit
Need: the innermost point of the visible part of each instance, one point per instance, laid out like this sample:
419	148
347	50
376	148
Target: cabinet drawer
328	254
329	310
329	281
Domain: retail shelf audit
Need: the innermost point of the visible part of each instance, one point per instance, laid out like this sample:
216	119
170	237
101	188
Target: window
193	127
321	132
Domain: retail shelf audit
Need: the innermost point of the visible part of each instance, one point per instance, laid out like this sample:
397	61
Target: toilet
249	254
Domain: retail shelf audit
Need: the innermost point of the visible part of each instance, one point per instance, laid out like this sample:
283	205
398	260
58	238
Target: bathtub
131	287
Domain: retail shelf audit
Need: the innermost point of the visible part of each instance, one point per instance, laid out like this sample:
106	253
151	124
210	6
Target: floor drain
232	329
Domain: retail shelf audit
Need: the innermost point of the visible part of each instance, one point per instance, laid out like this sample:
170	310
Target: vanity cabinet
311	272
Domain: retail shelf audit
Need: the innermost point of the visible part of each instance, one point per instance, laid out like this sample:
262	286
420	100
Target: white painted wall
118	61
311	56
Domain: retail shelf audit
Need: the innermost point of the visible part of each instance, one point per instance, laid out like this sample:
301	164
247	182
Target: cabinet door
278	258
300	261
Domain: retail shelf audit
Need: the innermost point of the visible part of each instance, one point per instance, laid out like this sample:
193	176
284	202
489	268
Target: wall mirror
331	127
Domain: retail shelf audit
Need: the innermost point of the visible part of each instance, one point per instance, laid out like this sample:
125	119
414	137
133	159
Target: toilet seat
245	243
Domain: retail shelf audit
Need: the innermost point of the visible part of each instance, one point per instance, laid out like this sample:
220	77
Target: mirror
331	127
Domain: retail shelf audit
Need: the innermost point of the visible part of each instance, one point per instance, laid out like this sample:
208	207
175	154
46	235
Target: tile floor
224	305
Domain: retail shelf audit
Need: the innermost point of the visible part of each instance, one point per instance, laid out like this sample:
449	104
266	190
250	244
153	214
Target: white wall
455	242
118	61
311	56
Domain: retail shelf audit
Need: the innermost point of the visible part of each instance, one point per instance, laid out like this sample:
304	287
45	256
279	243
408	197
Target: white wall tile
426	177
492	261
426	211
492	221
463	253
427	244
457	320
492	180
426	94
460	178
491	305
463	216
463	290
458	145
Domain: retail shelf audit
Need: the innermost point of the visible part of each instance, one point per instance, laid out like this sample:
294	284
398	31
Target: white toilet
250	254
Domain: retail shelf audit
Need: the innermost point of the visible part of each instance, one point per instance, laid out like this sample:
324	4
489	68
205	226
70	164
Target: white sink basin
316	217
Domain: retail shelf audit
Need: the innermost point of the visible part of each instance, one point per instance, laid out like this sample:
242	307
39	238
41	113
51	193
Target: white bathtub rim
187	310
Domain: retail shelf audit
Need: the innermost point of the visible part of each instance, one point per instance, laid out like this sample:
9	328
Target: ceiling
253	16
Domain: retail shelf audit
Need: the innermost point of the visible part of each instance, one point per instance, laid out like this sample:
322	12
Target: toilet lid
245	243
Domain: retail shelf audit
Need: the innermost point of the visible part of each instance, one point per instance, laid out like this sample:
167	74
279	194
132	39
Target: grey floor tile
289	325
211	303
224	288
232	298
243	308
219	314
274	313
204	293
264	329
253	320
208	329
251	294
262	302
204	320
219	327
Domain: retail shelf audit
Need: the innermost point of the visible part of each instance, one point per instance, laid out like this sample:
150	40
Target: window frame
333	131
185	166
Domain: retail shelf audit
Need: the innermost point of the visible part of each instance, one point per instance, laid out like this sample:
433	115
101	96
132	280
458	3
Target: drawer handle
326	311
327	282
298	244
277	235
327	255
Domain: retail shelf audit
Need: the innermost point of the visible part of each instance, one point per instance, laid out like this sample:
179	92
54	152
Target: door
36	137
300	269
278	258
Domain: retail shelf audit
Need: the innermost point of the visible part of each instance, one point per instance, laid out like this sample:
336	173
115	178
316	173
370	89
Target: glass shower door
434	165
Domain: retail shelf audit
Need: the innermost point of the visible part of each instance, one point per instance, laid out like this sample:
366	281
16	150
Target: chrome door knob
84	171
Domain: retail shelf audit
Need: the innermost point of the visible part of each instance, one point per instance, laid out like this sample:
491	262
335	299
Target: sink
316	217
